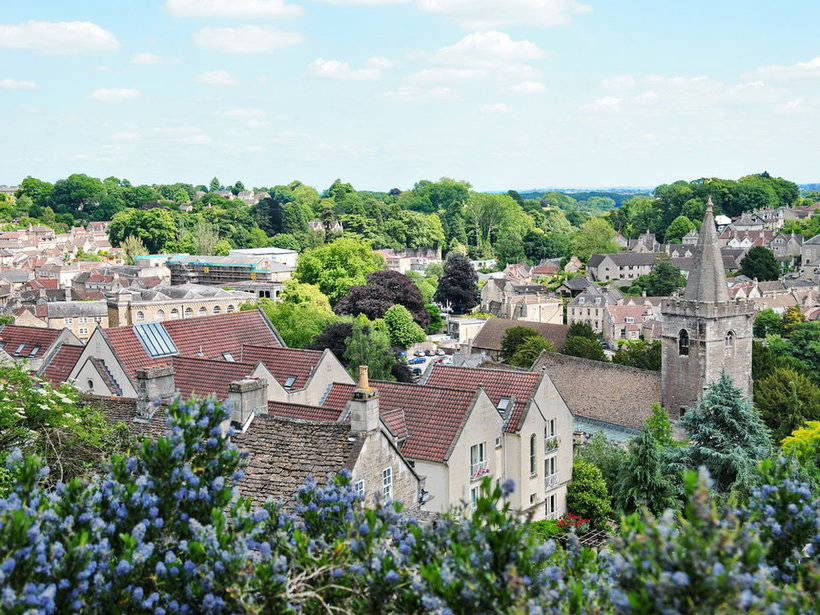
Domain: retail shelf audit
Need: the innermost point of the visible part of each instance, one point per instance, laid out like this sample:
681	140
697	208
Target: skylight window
503	405
19	349
289	382
34	351
155	339
228	357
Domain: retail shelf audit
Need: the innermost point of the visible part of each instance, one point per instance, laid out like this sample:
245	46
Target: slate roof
121	409
107	378
519	386
73	309
707	279
624	259
604	392
577	283
206	337
284	452
492	333
284	363
19	340
203	377
62	361
303	412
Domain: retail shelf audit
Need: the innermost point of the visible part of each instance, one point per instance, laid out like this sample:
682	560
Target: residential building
488	340
80	317
589	306
533	302
411	260
280	256
464	329
810	252
625	322
31	345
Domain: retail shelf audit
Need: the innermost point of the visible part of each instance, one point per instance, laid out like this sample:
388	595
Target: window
34	351
203	311
90	385
358	489
160	315
217	309
188	312
473	496
503	404
498	442
230	309
629	320
174	314
551	505
81	320
83	331
478	461
550	428
227	356
551	466
19	349
533	470
387	483
532	498
683	343
69	320
289	382
730	339
140	316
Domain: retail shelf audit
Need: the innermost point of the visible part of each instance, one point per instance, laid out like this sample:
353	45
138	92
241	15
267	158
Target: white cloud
246	39
439	74
12	84
407	92
114	95
487	49
334	69
245	113
501	108
607	103
125	135
484	14
619	82
790	106
529	87
57	37
236	9
795	71
216	77
146	58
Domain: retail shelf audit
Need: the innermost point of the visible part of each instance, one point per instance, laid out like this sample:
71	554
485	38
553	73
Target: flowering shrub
164	531
571	522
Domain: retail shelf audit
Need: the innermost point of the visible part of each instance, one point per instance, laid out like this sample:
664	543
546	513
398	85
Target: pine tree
727	435
642	482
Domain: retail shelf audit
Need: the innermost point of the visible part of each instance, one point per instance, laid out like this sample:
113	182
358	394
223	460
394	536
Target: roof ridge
426	386
221	362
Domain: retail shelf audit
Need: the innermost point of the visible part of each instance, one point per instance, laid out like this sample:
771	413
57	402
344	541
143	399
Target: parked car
416	361
440	352
419	353
430	353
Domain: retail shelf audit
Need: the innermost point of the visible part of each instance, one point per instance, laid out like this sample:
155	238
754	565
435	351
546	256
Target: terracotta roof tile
59	366
284	363
202	377
19	341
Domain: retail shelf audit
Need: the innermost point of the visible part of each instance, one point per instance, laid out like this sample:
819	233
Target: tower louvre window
730	339
683	343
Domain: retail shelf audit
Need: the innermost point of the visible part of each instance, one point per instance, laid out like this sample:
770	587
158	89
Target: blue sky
381	93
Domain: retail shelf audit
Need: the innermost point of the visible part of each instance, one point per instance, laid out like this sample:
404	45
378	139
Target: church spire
707	279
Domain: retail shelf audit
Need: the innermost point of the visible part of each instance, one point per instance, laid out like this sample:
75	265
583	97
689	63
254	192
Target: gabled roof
205	337
19	341
492	333
203	377
518	387
303	411
284	452
58	367
284	363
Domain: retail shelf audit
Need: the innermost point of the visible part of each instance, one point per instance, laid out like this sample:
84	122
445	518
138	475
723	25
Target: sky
382	93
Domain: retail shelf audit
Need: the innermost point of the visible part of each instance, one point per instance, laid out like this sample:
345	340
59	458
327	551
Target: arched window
90	385
532	454
174	314
140	316
217	309
230	309
188	312
160	315
683	343
203	311
730	339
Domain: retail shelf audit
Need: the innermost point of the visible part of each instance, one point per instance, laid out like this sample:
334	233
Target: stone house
620	266
533	302
589	306
410	260
81	317
785	246
624	322
489	339
810	252
573	287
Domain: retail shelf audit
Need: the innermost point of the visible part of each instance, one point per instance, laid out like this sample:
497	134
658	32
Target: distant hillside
619	195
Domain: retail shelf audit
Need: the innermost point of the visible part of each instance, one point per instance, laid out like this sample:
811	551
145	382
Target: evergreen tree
786	399
584	347
582	329
215	185
660	427
530	349
458	286
513	338
760	263
727	435
369	346
642	482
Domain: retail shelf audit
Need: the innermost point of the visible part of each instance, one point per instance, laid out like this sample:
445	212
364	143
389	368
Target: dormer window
289	382
629	320
503	404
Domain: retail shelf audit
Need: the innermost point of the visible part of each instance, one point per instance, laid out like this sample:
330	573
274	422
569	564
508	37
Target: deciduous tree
458	285
760	263
587	495
335	267
403	331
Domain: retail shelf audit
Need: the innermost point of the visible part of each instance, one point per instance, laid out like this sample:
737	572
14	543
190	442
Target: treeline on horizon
446	214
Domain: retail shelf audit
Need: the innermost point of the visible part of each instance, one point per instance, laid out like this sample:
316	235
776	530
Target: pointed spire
707	279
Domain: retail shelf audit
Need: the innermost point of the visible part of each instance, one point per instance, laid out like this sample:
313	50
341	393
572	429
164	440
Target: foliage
639	353
786	399
582	329
384	289
726	435
538	245
436	321
679	227
595	236
804	445
662	281
584	347
367	345
334	337
156	228
804	343
513	338
458	285
335	267
587	493
607	456
297	322
759	263
643	482
401	327
132	247
767	322
660	427
529	350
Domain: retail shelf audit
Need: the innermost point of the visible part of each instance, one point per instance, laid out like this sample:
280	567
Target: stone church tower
704	331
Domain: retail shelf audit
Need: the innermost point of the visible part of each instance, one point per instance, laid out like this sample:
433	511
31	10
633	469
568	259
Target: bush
587	494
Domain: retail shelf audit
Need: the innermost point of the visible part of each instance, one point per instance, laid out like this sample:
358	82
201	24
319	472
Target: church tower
704	331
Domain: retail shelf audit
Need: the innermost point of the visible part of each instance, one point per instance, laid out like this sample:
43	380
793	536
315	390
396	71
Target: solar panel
155	339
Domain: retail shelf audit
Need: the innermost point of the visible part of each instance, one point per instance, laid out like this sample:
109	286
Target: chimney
247	396
154	383
119	309
364	408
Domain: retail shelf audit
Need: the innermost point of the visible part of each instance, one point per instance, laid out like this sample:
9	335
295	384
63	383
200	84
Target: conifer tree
642	482
727	435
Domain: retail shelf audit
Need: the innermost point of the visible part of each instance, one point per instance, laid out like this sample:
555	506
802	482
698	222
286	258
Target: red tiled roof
43	283
205	337
338	396
202	377
14	337
496	383
61	363
620	312
284	363
303	412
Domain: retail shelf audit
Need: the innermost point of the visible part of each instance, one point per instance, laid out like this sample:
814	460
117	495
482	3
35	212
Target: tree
37	190
582	329
786	399
660	427
792	317
133	247
662	281
595	236
513	338
215	186
539	245
804	445
587	494
679	227
78	195
297	323
384	289
639	353
607	456
726	435
335	267
584	347
369	346
530	349
458	285
401	327
642	480
436	321
157	228
767	322
204	238
334	337
761	264
805	345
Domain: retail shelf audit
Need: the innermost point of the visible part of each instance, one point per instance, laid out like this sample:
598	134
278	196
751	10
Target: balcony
551	481
551	444
479	470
